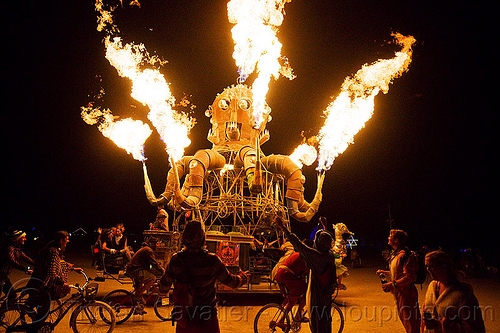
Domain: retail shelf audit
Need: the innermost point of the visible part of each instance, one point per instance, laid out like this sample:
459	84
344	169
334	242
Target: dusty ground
366	308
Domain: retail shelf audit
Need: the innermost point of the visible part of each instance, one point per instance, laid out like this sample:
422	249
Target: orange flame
304	154
256	46
126	133
149	87
349	112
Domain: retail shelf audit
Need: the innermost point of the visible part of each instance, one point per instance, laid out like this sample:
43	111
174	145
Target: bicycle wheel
337	319
271	318
163	307
93	317
14	316
122	303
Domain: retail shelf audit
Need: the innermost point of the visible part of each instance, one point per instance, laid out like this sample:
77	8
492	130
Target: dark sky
425	152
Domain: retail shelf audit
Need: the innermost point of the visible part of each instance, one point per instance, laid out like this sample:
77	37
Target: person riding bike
50	276
10	258
139	268
291	278
323	280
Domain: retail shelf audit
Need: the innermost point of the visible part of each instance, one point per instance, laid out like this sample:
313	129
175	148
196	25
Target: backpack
421	271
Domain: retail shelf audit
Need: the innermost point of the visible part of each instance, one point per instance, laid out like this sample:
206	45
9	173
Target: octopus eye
244	104
224	104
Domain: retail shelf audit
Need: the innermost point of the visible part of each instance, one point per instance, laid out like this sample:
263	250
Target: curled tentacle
202	161
298	207
182	167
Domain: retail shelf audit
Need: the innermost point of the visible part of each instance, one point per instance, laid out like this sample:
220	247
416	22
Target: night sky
425	152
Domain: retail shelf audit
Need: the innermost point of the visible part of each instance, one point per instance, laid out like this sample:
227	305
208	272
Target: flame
130	135
127	133
304	154
105	18
349	112
149	87
256	46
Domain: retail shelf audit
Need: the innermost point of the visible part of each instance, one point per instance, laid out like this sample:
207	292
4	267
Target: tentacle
202	161
246	158
298	207
182	168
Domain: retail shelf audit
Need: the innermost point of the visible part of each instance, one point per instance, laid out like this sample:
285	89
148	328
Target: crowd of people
449	305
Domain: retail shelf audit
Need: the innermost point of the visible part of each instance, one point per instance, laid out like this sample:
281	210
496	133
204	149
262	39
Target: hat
193	236
16	235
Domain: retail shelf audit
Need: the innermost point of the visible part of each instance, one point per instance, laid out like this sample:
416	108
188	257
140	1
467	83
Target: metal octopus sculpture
234	182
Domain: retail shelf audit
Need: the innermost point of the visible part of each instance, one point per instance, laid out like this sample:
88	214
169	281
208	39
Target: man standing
139	269
11	258
194	271
402	271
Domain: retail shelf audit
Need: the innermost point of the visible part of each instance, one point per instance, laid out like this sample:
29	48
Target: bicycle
88	314
273	317
124	303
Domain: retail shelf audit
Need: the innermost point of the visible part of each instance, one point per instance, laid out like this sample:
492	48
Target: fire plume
127	133
353	107
149	87
256	46
304	154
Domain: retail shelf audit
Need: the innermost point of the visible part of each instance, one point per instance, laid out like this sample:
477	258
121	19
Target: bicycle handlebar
87	280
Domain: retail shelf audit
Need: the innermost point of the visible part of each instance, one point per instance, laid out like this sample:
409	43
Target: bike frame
76	299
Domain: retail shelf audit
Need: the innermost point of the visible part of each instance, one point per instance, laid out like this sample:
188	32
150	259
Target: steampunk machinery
233	188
